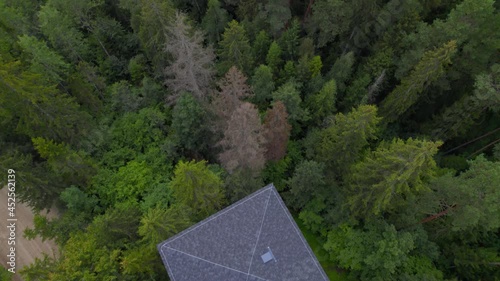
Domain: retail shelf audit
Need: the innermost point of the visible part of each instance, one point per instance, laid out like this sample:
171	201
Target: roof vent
267	257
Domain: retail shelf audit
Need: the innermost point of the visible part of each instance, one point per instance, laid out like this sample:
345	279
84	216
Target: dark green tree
430	68
262	84
234	49
214	21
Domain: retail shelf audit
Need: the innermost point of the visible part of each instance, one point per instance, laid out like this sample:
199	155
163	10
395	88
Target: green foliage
322	104
235	49
331	18
260	46
62	32
307	181
195	186
392	173
429	69
73	167
342	70
160	223
289	94
214	21
188	118
37	271
315	66
44	60
262	85
462	115
149	19
375	252
289	40
39	110
5	275
470	198
277	14
273	58
342	143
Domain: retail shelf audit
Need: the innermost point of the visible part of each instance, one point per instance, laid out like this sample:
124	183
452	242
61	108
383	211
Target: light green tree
273	58
387	176
44	60
341	144
322	104
195	186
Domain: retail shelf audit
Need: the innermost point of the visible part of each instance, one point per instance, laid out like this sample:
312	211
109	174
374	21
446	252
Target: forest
377	120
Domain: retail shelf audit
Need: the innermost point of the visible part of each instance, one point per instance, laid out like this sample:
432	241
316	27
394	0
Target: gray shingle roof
229	244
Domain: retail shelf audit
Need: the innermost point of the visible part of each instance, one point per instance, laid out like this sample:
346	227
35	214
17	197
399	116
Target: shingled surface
229	244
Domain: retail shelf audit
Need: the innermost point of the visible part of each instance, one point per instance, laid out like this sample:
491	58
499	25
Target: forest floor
26	250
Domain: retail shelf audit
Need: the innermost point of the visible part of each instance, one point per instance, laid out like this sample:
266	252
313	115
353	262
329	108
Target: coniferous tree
197	187
387	176
461	115
262	85
260	46
322	104
430	68
233	90
243	143
273	57
276	131
341	144
234	49
214	21
192	66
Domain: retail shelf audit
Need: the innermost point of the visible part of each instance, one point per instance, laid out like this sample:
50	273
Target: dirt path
26	250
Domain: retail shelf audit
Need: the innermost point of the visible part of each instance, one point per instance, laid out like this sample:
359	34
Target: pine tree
276	131
262	85
390	174
341	144
195	186
322	104
39	110
191	69
277	14
289	94
214	21
243	142
273	58
44	60
461	115
233	90
235	49
260	46
289	41
429	69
